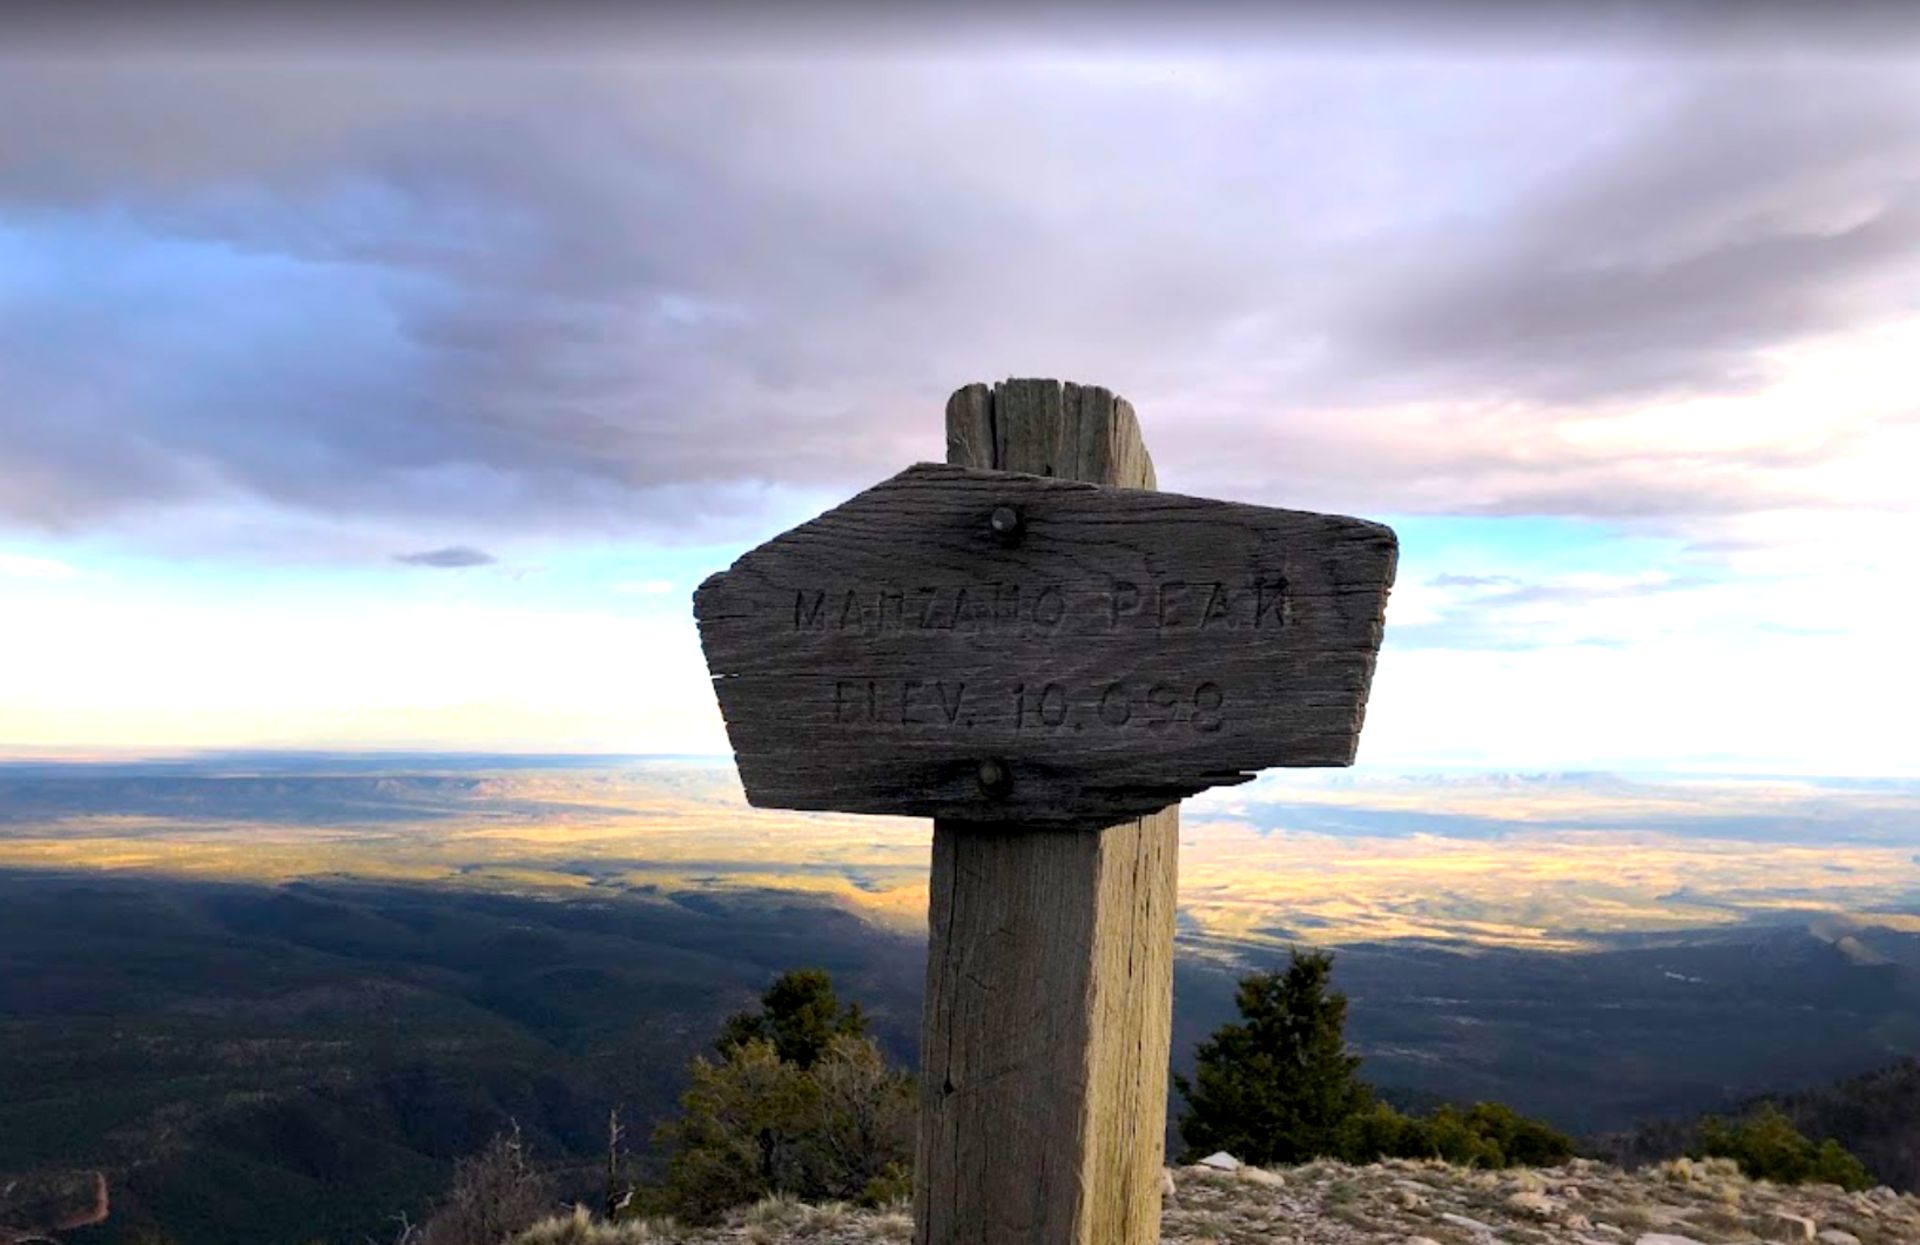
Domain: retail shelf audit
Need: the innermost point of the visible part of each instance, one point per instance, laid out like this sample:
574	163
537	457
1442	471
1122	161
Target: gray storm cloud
630	298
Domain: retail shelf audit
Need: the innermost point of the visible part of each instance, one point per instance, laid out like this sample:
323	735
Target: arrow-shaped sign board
989	646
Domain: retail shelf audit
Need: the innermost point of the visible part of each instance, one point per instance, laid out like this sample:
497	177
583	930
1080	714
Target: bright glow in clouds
25	566
404	406
306	667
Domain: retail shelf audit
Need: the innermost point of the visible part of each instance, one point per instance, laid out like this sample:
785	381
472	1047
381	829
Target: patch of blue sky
617	579
191	340
557	573
1527	547
109	261
624	575
1510	583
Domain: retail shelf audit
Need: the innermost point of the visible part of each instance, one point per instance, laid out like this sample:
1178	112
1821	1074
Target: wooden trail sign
1044	668
990	647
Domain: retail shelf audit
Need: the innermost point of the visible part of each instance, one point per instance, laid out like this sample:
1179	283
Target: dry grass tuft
581	1228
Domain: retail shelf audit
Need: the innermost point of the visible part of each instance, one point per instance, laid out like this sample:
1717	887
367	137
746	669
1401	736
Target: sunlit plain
1547	862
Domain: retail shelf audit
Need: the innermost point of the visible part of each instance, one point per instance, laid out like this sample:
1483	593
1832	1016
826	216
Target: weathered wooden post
1034	649
1048	1013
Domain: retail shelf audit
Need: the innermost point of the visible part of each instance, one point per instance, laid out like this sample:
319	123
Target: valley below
277	997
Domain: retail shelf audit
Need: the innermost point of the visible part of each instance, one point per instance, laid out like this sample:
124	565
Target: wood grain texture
1045	1038
1129	648
1046	1034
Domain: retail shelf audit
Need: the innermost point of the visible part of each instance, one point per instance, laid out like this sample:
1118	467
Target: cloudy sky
379	391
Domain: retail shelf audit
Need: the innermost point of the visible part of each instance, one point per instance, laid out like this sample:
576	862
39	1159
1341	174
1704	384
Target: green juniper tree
799	1014
1276	1087
739	1134
1281	1087
801	1102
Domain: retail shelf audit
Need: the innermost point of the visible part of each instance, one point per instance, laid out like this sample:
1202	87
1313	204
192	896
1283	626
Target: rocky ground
1400	1203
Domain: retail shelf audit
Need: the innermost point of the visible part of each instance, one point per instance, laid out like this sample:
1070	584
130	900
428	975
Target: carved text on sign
1045	608
1037	706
